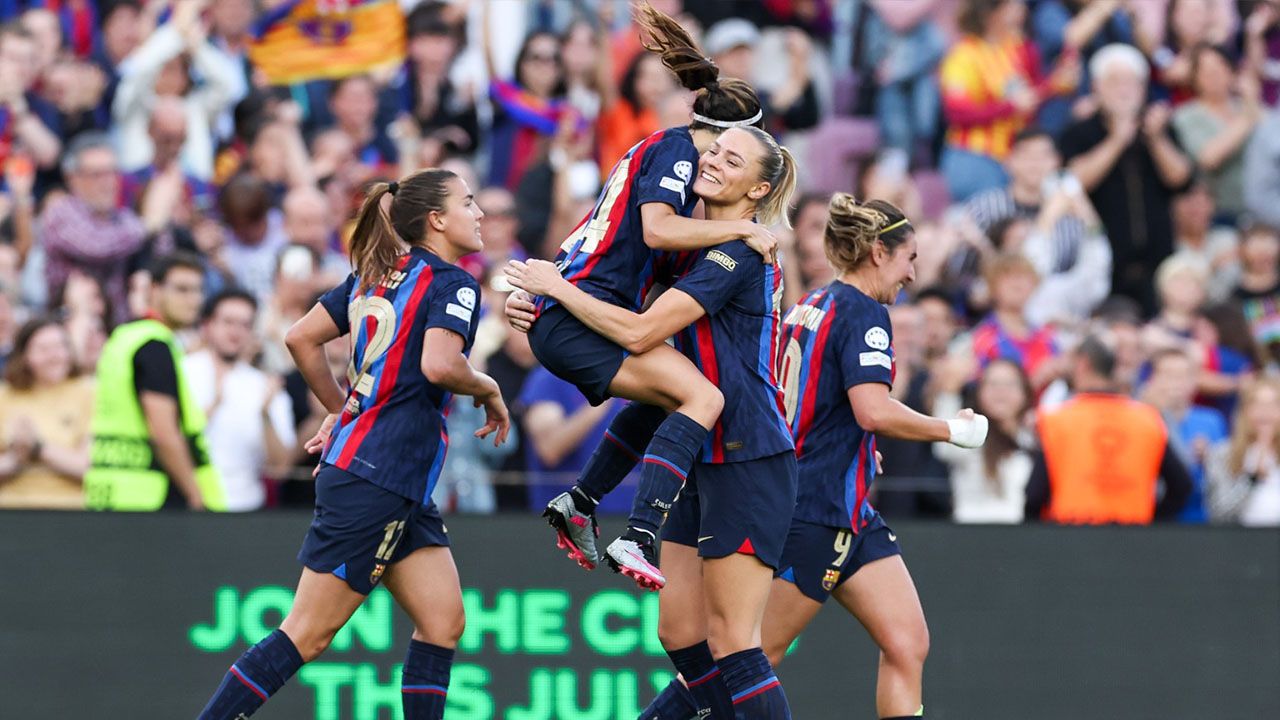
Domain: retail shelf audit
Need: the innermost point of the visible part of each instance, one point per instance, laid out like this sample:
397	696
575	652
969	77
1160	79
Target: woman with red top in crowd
992	85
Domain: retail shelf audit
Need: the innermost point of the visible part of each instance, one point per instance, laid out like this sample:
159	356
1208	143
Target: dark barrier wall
138	616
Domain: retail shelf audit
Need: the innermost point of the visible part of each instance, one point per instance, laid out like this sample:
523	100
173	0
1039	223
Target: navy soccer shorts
359	529
575	353
741	507
818	559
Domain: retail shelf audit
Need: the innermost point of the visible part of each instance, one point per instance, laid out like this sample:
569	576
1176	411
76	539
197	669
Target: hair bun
393	187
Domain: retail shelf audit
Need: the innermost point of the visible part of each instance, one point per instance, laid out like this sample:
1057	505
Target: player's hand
536	277
195	502
762	240
879	463
521	310
968	429
318	441
496	418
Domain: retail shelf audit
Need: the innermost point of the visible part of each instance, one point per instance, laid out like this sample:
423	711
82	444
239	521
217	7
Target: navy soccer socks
623	445
665	466
675	702
261	671
426	681
705	682
755	690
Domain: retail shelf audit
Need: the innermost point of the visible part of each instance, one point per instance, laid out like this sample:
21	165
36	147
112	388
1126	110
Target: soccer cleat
637	561
575	531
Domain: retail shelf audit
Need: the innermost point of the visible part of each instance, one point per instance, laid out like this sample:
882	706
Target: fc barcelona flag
304	40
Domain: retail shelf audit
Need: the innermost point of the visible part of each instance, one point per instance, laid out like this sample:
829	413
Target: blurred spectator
124	23
913	482
250	431
527	108
989	486
1244	473
30	120
886	178
1262	171
1213	247
498	227
793	103
1104	453
310	221
808	223
163	66
466	482
588	67
442	112
45	407
629	113
510	365
1259	289
1160	19
149	448
902	49
18	205
991	85
1262	48
298	282
86	314
1006	333
1079	28
1171	389
1127	160
1182	285
163	192
1215	127
354	103
1120	318
1062	236
255	233
87	231
1190	24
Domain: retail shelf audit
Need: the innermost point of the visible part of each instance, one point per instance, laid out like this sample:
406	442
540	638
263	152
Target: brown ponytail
853	229
381	236
726	100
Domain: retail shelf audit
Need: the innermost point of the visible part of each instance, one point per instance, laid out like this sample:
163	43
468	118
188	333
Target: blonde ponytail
853	229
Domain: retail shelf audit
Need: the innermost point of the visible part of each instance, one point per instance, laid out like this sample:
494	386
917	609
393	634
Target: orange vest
1103	453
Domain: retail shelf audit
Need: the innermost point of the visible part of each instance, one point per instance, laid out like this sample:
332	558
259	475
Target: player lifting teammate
412	316
645	206
725	534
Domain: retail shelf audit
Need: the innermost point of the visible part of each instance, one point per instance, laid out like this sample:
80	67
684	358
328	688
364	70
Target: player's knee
674	634
703	404
907	647
312	645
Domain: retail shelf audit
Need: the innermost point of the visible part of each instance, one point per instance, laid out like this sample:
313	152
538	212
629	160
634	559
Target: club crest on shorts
829	579
374	576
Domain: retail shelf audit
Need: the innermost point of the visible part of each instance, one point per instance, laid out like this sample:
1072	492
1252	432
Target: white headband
729	123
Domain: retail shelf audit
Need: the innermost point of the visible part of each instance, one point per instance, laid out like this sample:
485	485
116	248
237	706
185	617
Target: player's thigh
681	620
425	584
665	378
737	590
882	596
787	613
321	606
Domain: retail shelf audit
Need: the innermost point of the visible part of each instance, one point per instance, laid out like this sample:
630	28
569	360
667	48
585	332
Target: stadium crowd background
130	129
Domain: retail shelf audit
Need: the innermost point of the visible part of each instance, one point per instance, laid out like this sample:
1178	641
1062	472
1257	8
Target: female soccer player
724	536
645	205
837	368
412	316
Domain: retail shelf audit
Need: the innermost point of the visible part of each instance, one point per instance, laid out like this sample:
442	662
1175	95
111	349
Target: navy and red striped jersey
606	255
392	430
835	338
734	345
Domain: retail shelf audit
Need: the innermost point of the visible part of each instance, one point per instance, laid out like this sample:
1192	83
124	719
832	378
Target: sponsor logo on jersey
722	260
867	359
877	338
456	310
674	185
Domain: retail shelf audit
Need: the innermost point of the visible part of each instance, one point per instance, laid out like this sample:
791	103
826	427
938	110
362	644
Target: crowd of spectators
1095	186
